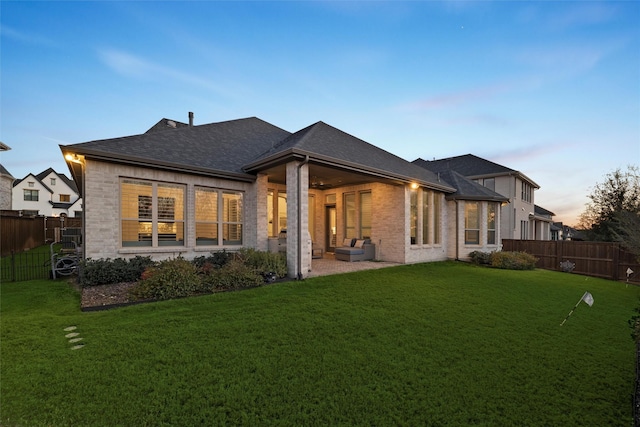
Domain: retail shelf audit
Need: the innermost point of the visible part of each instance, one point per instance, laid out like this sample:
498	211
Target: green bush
233	275
513	260
108	271
480	258
172	278
214	260
264	262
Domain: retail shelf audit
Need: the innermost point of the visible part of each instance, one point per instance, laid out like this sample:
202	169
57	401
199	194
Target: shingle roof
216	148
467	189
471	166
4	171
325	143
166	124
42	175
542	211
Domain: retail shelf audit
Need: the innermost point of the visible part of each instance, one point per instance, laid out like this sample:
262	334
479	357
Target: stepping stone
71	335
76	347
72	340
71	328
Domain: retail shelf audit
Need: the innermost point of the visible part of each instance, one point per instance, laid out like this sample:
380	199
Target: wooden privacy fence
19	234
598	259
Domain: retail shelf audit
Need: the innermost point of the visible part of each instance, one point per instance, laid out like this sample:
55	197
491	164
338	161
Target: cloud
131	65
452	99
584	14
21	37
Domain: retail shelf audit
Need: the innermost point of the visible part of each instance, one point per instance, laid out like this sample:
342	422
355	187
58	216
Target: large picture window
437	219
206	216
365	215
152	214
232	218
472	223
426	215
350	216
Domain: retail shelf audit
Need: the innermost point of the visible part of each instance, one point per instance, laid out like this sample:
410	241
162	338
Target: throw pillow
359	243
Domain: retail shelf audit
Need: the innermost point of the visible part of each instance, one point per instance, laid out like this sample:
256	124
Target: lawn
428	344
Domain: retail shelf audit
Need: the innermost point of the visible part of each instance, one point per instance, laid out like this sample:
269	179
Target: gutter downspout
304	162
457	231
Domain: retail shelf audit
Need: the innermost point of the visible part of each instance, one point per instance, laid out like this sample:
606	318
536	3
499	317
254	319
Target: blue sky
551	89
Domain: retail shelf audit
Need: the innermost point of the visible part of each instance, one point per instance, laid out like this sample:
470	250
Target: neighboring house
48	193
519	219
190	190
6	185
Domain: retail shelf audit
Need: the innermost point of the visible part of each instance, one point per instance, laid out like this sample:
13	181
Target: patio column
298	245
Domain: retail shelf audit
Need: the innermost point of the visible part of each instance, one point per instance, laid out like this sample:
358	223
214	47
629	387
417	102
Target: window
490	183
365	215
524	230
31	195
65	198
436	218
312	216
472	223
152	214
426	216
232	212
525	192
282	211
52	181
350	216
413	216
270	211
491	224
206	216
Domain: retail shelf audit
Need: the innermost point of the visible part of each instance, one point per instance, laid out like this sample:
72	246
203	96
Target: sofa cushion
358	244
349	251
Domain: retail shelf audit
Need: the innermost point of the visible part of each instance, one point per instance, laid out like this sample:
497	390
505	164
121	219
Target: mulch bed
105	296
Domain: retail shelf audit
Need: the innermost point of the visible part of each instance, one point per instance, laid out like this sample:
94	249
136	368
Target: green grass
429	344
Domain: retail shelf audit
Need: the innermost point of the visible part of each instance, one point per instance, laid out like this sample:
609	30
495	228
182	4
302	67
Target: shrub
108	271
513	260
172	278
233	275
214	260
264	263
480	258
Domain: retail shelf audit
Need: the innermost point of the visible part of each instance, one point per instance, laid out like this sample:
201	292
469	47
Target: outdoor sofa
356	250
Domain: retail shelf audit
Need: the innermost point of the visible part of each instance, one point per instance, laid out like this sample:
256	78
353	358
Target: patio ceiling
324	177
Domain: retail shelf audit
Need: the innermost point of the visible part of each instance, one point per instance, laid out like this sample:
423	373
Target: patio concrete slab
328	265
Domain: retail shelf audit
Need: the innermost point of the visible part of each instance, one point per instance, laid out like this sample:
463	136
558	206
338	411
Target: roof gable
325	143
467	189
471	166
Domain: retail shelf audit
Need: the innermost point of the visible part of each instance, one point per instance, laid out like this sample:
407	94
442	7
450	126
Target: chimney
190	119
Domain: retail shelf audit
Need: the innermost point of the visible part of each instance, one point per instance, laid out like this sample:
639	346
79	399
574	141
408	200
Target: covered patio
328	265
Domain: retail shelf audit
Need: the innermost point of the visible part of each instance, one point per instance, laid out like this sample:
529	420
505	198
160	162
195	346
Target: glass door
331	228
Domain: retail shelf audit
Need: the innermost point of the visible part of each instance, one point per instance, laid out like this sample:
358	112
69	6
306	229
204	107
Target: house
6	186
519	218
190	190
48	193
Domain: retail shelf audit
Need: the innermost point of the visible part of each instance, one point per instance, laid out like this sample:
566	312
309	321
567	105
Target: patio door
331	228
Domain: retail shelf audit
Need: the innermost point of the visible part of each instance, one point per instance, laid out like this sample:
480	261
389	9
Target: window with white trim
350	216
365	215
